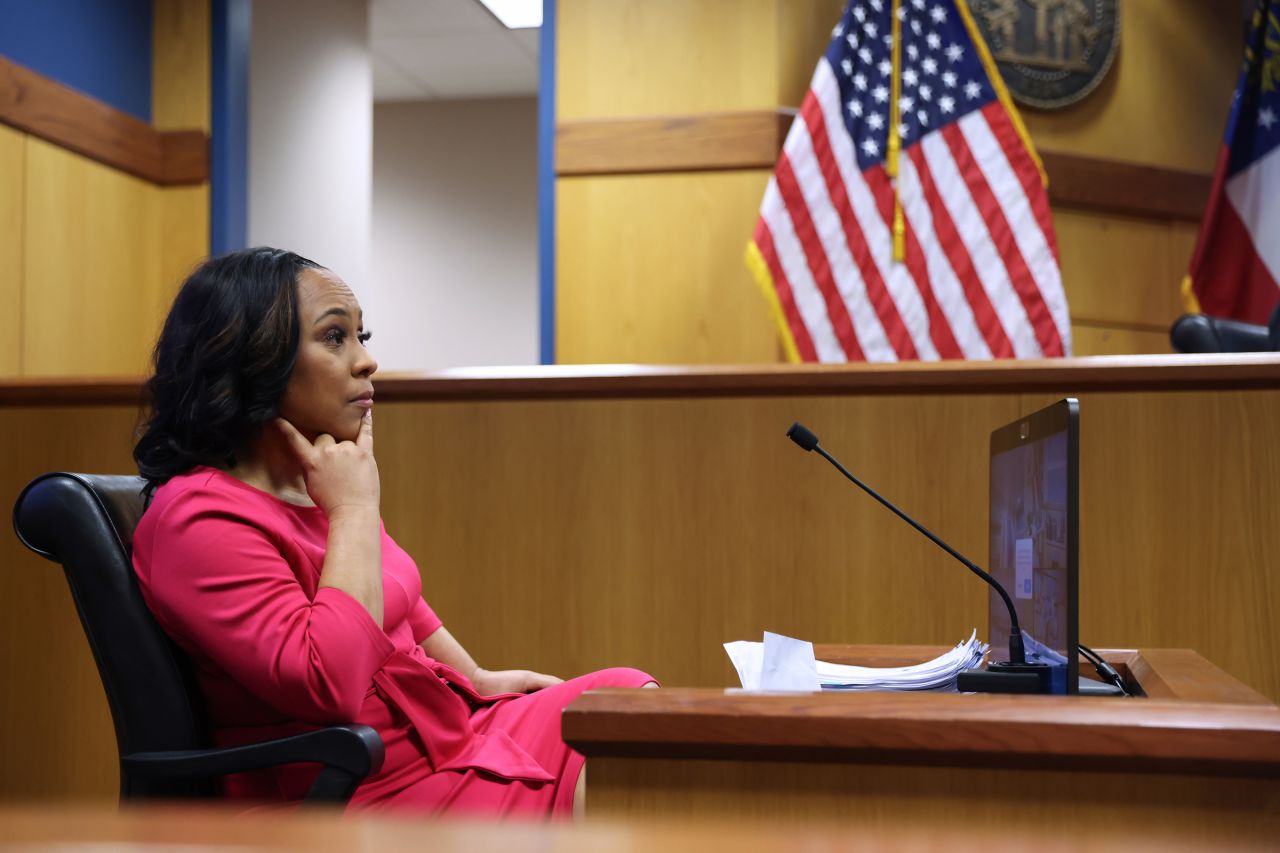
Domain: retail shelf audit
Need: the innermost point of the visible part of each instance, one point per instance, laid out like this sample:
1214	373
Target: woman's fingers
296	440
365	437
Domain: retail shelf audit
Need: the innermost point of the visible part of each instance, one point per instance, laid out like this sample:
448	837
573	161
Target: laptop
1034	539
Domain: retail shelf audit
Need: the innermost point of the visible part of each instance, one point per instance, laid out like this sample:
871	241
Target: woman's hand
511	681
340	475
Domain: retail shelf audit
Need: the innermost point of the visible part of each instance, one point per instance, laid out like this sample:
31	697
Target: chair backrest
1201	333
85	522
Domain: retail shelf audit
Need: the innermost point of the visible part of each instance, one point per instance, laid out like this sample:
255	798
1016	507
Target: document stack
782	663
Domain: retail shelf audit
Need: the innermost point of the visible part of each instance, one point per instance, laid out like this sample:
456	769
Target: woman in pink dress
263	555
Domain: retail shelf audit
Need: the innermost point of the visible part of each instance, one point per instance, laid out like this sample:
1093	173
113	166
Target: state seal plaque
1051	53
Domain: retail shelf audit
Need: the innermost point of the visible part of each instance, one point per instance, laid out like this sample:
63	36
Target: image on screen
1028	553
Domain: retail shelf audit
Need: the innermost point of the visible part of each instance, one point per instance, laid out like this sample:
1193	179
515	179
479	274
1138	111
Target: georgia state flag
1236	265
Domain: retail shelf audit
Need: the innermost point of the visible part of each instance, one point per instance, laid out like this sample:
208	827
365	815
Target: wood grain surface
44	827
752	140
565	525
60	115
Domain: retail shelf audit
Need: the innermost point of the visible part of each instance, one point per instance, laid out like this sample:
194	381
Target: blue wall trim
101	49
547	184
229	148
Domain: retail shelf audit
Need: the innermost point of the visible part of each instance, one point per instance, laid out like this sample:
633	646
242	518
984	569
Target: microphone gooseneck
805	438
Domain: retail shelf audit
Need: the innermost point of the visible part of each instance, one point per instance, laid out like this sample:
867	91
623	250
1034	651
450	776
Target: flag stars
860	13
865	55
852	39
913	52
906	103
860	81
916	26
910	77
938	14
934	41
847	66
947	104
1266	117
875	121
903	130
955	52
878	5
902	13
855	108
870	148
926	92
885	68
949	79
923	116
972	89
919	4
881	94
930	65
838	31
870	29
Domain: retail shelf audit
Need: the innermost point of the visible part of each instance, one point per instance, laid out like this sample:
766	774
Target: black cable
1107	672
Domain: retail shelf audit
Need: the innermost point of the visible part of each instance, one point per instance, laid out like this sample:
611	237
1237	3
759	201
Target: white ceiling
426	50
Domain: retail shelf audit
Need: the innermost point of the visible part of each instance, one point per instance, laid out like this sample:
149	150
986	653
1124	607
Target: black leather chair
1202	333
86	522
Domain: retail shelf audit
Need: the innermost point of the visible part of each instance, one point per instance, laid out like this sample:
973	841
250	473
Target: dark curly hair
222	362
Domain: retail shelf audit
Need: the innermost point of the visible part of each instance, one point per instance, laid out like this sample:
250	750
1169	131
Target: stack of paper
781	663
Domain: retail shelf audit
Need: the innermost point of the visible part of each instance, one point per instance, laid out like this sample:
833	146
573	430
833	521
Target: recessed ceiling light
516	14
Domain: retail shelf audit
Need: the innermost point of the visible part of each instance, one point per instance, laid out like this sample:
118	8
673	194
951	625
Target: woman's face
330	389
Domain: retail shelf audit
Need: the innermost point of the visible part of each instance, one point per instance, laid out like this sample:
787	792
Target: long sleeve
221	583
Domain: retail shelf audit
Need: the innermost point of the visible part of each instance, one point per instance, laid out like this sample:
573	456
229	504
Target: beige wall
455	234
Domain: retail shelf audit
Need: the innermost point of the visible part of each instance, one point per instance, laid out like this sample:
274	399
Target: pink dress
231	574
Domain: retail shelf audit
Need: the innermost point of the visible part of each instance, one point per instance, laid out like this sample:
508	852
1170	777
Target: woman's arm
442	646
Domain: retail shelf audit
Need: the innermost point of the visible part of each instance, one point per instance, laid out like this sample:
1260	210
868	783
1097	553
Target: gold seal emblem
1051	53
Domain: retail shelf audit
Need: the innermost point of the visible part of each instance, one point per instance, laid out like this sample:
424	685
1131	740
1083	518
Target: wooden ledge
1163	735
58	114
1136	373
753	140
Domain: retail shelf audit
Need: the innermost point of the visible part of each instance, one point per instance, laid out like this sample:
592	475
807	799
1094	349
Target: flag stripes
979	277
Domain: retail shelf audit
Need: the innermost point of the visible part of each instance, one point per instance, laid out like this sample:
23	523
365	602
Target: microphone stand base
1005	677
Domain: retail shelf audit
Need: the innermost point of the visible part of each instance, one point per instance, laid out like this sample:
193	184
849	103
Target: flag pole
895	139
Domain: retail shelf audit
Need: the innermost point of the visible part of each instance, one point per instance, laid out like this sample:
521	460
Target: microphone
1015	675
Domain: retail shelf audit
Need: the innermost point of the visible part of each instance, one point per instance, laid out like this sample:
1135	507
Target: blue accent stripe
229	149
547	184
100	49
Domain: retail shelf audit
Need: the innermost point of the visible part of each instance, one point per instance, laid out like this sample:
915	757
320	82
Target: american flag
975	273
1235	270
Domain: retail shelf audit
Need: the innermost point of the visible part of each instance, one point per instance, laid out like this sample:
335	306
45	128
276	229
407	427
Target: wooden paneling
91	290
955	802
180	96
646	528
180	63
1130	149
664	57
12	226
745	140
1166	99
1090	338
218	827
749	140
56	737
76	122
649	270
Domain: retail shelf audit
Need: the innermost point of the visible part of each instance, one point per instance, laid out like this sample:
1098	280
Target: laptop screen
1034	534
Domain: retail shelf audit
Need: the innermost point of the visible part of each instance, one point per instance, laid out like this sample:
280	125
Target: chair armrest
348	753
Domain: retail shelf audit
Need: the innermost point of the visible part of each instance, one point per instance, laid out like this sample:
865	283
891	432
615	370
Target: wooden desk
567	519
1202	748
81	829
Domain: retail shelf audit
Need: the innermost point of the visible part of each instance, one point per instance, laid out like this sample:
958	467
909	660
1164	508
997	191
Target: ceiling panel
431	49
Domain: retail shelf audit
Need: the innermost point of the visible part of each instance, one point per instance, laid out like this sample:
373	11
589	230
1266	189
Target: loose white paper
788	664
